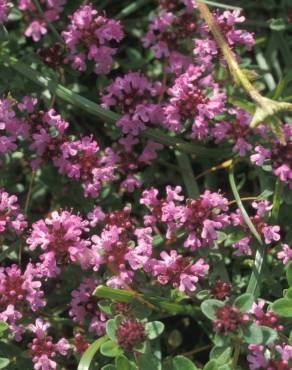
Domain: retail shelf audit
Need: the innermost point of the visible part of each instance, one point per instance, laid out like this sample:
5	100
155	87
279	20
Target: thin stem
221	166
236	354
28	195
277	199
255	278
197	350
245	199
228	55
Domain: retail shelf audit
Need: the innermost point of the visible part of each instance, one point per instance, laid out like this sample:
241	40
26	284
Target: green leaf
4	362
105	306
111	328
278	24
149	361
183	363
211	365
244	302
221	354
252	334
224	367
289	273
122	363
288	293
3	326
209	306
110	349
154	329
269	335
187	174
109	367
88	355
283	307
202	294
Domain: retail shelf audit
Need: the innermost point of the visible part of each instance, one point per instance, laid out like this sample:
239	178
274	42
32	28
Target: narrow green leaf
289	273
187	174
109	367
88	355
131	8
209	306
277	199
255	278
244	302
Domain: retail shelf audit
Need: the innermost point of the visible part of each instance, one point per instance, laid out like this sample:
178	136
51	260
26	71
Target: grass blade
88	355
255	278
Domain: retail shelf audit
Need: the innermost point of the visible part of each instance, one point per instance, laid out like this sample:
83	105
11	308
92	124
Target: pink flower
88	37
10	216
235	37
3	10
42	349
256	357
83	307
19	292
178	271
37	28
131	96
60	236
189	100
83	160
285	254
279	155
242	247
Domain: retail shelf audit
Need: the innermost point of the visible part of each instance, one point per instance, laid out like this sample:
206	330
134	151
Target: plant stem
236	354
235	70
255	278
277	200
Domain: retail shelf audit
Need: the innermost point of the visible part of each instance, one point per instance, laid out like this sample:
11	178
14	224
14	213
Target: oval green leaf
209	306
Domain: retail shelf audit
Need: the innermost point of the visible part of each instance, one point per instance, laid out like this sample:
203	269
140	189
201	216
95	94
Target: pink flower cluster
178	271
84	306
89	37
59	238
201	217
10	216
206	49
131	96
277	357
46	133
3	11
37	27
269	233
20	293
42	349
194	98
122	247
279	155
